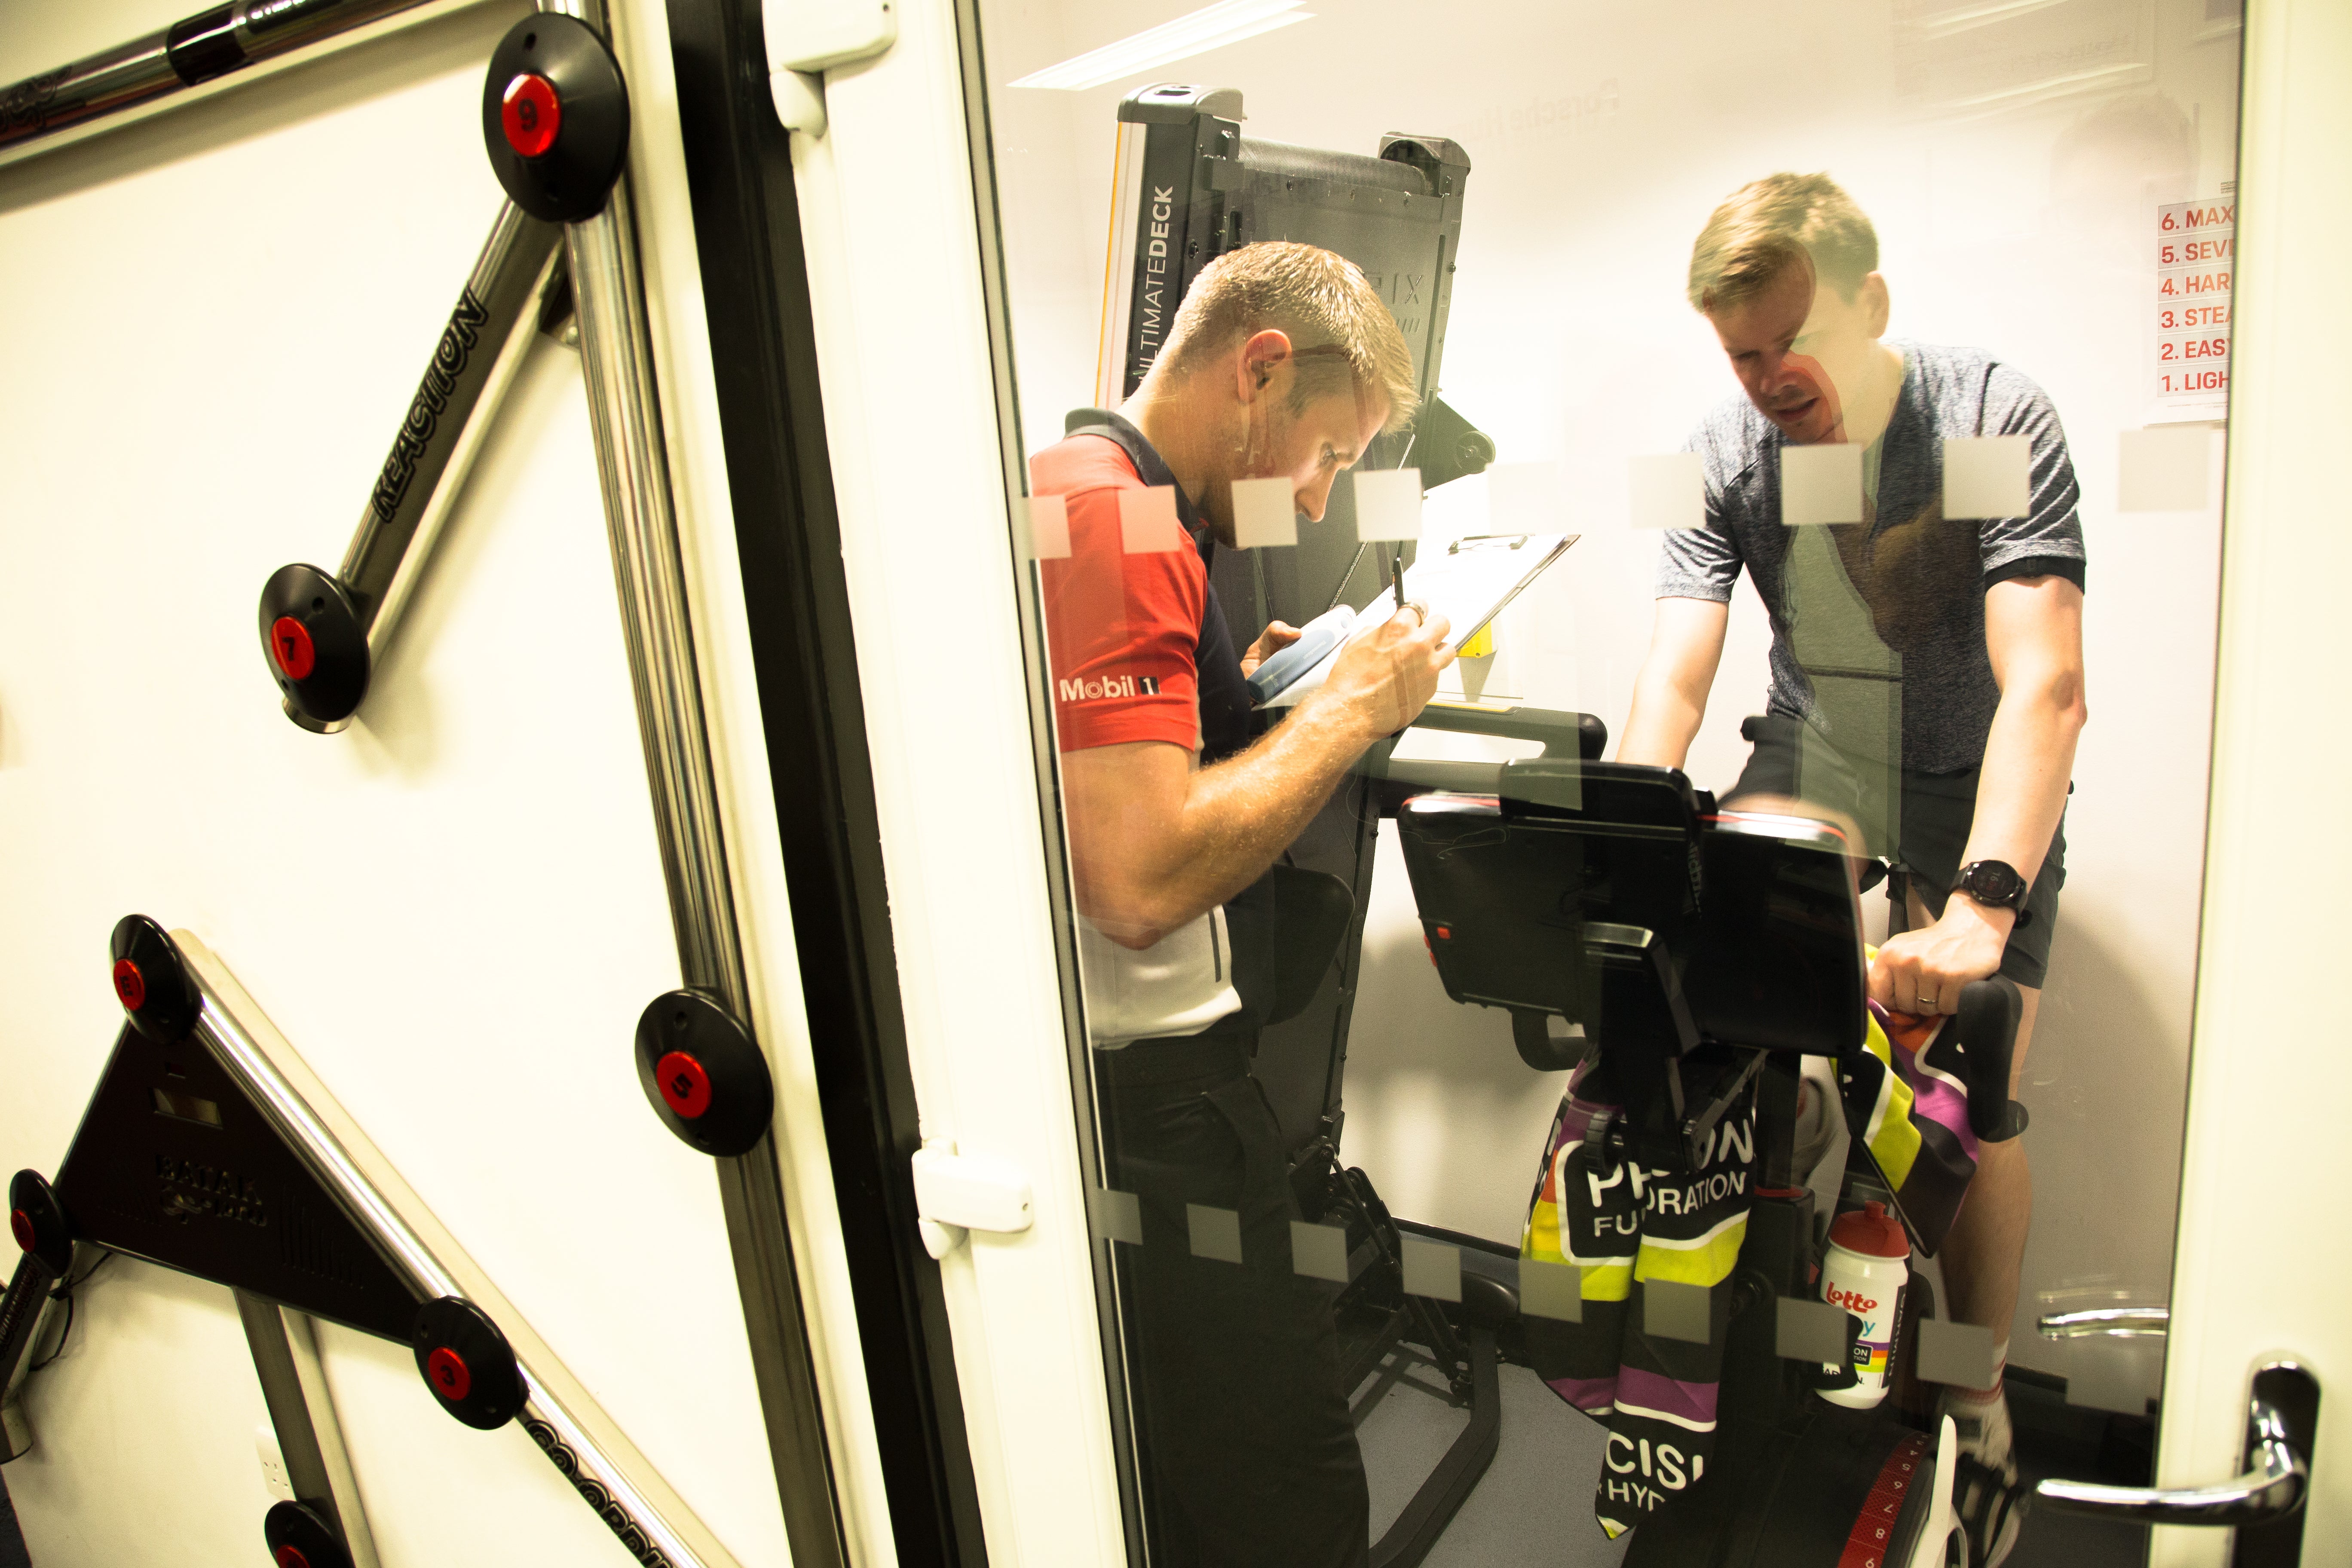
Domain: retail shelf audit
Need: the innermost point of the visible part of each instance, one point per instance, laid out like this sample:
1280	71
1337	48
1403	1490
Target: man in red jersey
1281	363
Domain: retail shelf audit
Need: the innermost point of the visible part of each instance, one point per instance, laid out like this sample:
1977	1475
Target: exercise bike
1703	955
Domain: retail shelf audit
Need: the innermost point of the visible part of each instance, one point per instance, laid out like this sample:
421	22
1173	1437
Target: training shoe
1989	1504
1987	1498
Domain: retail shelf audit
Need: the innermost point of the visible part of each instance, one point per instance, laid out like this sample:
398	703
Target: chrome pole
165	67
633	464
648	570
476	355
302	1415
659	1535
325	635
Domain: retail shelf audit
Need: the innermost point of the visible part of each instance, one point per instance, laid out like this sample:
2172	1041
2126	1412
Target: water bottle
1868	1263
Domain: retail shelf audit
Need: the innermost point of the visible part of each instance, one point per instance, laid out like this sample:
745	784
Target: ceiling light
1230	21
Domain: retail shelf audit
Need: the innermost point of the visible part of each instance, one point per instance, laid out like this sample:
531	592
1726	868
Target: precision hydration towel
1645	1374
1639	1235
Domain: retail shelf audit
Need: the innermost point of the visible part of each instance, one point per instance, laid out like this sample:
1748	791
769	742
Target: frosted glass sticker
1146	520
2163	469
1673	1311
1820	484
1808	1330
2109	1374
1554	1290
1432	1269
1216	1232
1958	1354
1667	489
1049	528
1265	513
1116	1216
1522	498
1320	1251
1388	504
1987	476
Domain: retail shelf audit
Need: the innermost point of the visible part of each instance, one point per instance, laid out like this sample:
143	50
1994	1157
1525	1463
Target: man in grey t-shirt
1927	670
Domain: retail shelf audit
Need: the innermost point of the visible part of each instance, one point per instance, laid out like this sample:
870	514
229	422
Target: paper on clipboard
1469	583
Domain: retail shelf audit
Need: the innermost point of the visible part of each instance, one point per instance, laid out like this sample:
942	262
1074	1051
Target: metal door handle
2282	1420
2117	1322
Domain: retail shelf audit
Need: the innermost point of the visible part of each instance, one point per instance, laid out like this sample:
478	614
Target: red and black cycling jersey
1139	644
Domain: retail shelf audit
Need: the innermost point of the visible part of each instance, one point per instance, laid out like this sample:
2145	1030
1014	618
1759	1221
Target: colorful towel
1907	1103
1628	1231
1906	1095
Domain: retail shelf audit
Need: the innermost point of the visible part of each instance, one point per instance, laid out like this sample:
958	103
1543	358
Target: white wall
212	324
1599	139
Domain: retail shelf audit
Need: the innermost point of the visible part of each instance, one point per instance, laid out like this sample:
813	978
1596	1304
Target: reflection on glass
1440	1076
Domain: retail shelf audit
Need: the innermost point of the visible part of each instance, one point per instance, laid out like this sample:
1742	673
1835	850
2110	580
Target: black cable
65	1293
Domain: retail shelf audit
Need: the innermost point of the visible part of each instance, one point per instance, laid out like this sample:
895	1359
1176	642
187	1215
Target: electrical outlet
273	1464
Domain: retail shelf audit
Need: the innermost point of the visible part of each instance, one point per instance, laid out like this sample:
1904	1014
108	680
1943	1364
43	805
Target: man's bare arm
2033	632
1154	845
1670	692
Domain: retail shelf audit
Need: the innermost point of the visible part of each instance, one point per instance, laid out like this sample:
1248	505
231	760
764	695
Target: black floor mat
13	1553
2055	1438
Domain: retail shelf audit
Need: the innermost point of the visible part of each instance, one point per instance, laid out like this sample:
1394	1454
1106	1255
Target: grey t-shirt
1888	612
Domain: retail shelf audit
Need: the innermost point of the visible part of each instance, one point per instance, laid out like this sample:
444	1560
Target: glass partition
1624	1009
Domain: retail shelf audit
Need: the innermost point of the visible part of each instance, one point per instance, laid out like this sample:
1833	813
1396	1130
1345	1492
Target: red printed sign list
2196	262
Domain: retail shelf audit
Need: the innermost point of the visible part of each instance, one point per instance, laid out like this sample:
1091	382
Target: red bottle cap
1870	1231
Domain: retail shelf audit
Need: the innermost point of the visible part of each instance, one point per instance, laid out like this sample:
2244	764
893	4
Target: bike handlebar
1987	1019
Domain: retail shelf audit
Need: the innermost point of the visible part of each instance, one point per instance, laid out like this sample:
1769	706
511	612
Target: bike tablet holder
211	1148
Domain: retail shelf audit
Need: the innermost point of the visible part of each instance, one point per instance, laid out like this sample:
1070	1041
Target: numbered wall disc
555	118
316	646
702	1074
466	1363
298	1537
149	980
39	1223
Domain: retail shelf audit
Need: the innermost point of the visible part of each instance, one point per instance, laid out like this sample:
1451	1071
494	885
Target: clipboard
1470	582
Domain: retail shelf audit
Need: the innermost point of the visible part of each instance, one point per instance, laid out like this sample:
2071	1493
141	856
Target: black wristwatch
1996	885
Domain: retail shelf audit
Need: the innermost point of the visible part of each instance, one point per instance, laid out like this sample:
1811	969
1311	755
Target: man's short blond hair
1322	303
1770	225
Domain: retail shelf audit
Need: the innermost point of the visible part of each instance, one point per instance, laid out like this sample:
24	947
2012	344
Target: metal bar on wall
561	1417
648	570
187	60
318	1469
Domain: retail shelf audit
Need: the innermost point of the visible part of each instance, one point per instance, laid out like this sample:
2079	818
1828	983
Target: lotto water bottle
1868	1263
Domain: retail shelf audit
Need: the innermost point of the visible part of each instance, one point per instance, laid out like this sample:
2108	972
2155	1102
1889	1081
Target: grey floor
1534	1505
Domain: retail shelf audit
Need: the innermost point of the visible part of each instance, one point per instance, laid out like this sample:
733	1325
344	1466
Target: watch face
1993	881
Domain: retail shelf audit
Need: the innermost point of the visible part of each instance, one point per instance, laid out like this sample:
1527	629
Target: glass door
1565	558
